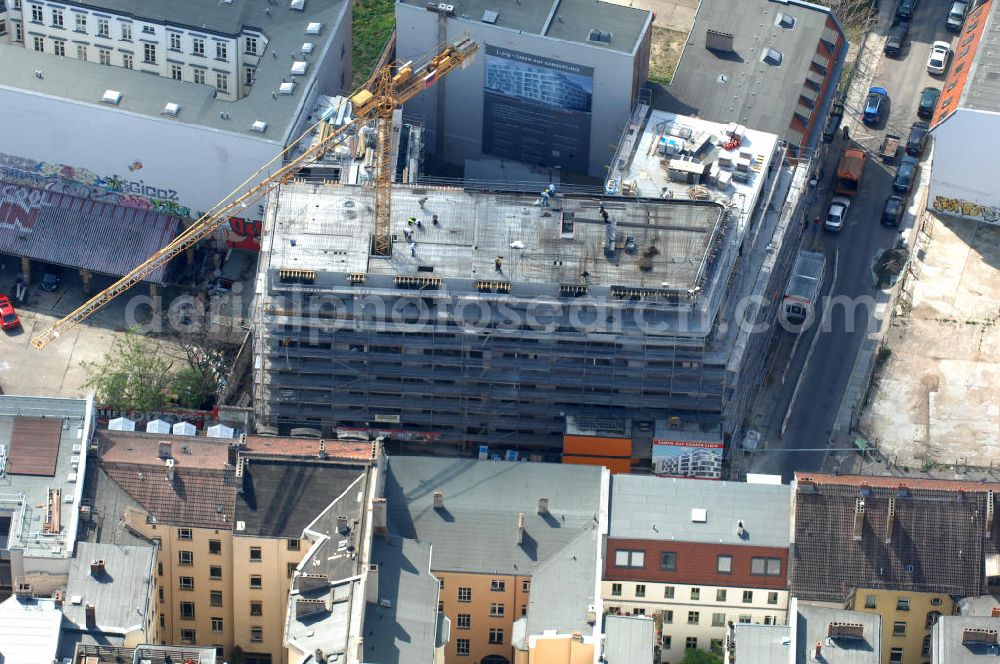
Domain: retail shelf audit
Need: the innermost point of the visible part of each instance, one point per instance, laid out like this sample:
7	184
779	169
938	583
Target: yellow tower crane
388	89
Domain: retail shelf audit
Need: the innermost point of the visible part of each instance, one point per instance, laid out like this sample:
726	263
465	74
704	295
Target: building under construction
499	314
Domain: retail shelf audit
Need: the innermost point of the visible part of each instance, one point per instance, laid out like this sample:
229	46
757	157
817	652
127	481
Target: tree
694	656
133	374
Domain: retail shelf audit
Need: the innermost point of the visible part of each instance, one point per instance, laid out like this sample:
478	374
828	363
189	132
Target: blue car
875	105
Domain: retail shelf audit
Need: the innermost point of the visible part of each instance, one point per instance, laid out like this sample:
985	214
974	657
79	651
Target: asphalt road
824	379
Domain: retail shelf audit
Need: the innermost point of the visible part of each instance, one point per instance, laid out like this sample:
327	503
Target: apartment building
516	547
698	557
907	620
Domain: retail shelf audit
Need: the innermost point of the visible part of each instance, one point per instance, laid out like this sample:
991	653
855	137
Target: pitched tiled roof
935	541
306	447
143	448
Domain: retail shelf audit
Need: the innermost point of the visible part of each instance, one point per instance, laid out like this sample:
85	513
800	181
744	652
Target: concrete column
154	291
189	254
26	269
85	276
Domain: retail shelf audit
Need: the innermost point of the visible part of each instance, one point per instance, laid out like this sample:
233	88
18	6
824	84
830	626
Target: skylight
171	109
259	126
111	97
299	67
314	28
298	5
286	88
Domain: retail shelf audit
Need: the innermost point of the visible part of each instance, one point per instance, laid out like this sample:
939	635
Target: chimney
716	40
322	448
164	449
91	612
232	454
240	463
989	514
438	500
170	470
319	656
520	528
243	441
57	599
371	585
97	568
890	518
979	636
859	518
342	526
379	517
543	505
818	651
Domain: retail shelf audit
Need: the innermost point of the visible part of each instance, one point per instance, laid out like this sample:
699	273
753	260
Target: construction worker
411	221
545	197
498	263
434	219
413	249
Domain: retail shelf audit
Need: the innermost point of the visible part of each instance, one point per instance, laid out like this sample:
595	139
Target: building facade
907	620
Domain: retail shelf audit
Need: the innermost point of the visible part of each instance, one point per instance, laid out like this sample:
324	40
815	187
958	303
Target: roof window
111	97
772	57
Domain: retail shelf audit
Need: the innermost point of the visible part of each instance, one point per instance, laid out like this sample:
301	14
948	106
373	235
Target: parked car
896	41
837	214
956	16
906	174
928	102
940	56
50	281
8	317
917	140
875	105
905	9
892	211
833	122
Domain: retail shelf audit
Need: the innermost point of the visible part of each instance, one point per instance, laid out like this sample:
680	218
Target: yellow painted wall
916	618
512	597
560	650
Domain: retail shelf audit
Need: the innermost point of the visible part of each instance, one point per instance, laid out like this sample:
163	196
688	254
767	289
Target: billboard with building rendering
696	460
548	101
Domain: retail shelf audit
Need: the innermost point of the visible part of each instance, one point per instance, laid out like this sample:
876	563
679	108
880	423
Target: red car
8	317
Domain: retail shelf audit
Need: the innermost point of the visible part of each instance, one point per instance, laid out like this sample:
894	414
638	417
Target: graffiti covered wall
964	208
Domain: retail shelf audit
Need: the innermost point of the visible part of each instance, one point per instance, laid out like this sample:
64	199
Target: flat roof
29	630
982	92
119	594
563	587
762	644
812	626
660	508
964	640
567	20
146	94
327	228
629	639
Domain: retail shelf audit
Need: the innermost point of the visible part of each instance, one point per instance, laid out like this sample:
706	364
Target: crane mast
388	89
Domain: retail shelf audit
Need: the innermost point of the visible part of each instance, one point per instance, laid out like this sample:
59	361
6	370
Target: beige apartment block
907	620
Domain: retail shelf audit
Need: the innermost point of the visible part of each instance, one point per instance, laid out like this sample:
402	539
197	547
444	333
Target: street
822	376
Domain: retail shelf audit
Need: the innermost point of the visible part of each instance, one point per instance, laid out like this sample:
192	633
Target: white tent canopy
220	431
185	429
121	424
158	426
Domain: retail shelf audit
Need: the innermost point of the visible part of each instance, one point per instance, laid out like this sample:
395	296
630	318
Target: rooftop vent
171	109
699	515
299	67
716	40
842	630
259	126
490	16
600	36
985	636
297	5
111	97
784	21
314	28
438	500
771	57
286	88
307	48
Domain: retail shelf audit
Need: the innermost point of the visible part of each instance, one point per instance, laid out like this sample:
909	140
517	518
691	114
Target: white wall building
208	92
553	85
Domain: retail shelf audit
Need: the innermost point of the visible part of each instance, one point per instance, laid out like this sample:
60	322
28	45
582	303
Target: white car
940	55
837	214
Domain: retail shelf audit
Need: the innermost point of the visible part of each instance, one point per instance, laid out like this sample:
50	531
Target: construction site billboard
691	459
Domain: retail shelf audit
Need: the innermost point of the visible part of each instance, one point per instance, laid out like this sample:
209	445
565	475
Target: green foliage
373	22
700	657
192	386
133	374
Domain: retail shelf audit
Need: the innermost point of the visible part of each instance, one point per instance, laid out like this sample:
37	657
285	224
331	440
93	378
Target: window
925	648
215	572
256	608
498	585
197	46
39	44
525	586
899	628
626	558
696	593
496	635
3	27
464	621
255	555
81	22
290	569
102	28
256	634
149	53
718	619
216	624
128	64
744	619
18	34
496	609
765	566
691	643
57	18
293	544
462	647
640	590
175	41
215	547
59	47
161	593
931	619
902	603
895	655
693	617
215	598
185	557
36	13
199	76
747	596
187	636
668	616
524	610
665	641
465	594
183	533
175	72
770	620
638	612
724	564
126	31
148	30
187	610
222	82
720	595
81	51
616	589
248	76
186	582
869	601
668	561
251	46
255	581
772	598
221	51
935	601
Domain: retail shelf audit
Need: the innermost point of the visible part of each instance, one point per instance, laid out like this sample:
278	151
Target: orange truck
849	170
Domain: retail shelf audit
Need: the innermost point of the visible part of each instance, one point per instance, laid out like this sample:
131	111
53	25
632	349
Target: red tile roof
306	447
895	482
143	448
